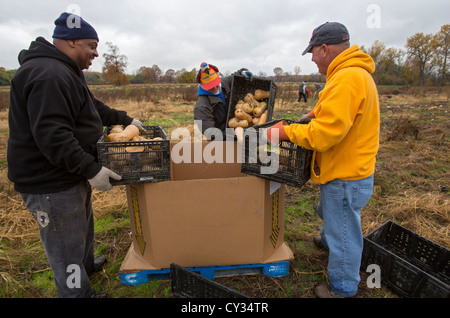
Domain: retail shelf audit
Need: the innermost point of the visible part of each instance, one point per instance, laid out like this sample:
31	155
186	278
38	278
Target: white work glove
101	180
138	124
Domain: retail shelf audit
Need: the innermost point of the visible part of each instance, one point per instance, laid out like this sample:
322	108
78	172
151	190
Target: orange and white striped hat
208	76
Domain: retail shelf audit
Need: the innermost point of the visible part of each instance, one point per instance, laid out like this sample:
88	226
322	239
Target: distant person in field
343	131
211	108
302	92
55	123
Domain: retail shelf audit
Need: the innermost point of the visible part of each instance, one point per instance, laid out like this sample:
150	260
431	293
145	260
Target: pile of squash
120	158
129	133
249	112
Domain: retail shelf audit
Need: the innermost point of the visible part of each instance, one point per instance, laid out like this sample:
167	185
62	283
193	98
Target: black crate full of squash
410	265
286	163
241	86
137	161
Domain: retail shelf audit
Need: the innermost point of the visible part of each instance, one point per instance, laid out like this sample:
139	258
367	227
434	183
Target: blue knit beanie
72	27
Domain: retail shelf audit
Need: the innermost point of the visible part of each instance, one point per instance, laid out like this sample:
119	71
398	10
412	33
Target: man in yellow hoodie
344	135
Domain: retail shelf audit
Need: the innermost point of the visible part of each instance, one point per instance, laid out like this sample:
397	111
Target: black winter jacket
54	121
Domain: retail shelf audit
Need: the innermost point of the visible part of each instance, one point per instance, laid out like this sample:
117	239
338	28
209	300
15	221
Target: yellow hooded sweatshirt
345	131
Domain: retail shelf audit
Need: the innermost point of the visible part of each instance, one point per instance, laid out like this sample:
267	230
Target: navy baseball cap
328	33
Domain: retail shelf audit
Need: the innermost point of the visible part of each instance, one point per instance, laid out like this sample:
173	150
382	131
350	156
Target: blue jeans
66	228
340	209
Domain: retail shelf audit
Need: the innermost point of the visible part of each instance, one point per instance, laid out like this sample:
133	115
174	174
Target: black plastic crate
188	284
151	163
241	86
411	265
288	163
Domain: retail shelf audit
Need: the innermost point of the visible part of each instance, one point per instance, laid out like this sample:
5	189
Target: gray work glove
305	119
101	180
138	124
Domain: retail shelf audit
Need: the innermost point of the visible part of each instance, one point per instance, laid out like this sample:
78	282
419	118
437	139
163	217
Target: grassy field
412	164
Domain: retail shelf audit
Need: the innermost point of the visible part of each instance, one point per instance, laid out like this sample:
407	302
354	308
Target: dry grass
411	165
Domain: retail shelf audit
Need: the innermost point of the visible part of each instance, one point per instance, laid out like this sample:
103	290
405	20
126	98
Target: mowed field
412	173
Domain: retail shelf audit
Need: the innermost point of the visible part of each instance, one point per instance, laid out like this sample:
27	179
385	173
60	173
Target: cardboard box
209	214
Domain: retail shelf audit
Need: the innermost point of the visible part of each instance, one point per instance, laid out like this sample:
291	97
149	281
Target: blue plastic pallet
277	269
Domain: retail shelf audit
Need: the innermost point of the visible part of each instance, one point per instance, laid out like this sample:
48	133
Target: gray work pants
66	228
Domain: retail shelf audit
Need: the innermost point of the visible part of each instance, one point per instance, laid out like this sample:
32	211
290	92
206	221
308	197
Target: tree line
423	61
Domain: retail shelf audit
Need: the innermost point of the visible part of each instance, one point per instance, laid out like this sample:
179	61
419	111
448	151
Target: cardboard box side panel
274	219
139	220
203	224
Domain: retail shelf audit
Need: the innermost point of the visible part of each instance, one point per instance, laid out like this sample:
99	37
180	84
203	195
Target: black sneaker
98	294
99	262
318	242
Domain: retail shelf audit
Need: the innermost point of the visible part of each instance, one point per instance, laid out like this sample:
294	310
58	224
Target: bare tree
115	65
385	61
278	72
442	52
297	71
169	76
420	47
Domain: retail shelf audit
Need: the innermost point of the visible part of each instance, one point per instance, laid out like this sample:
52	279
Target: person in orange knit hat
211	108
343	132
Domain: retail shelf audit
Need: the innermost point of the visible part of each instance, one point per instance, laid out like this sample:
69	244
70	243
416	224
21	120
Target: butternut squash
239	132
240	114
239	104
263	118
249	98
260	94
136	148
139	138
257	112
246	107
157	146
236	122
116	129
126	135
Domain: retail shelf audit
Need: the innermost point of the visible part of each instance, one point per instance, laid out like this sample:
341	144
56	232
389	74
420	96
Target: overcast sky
257	34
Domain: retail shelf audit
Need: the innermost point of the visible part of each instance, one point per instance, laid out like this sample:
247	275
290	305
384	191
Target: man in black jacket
55	122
